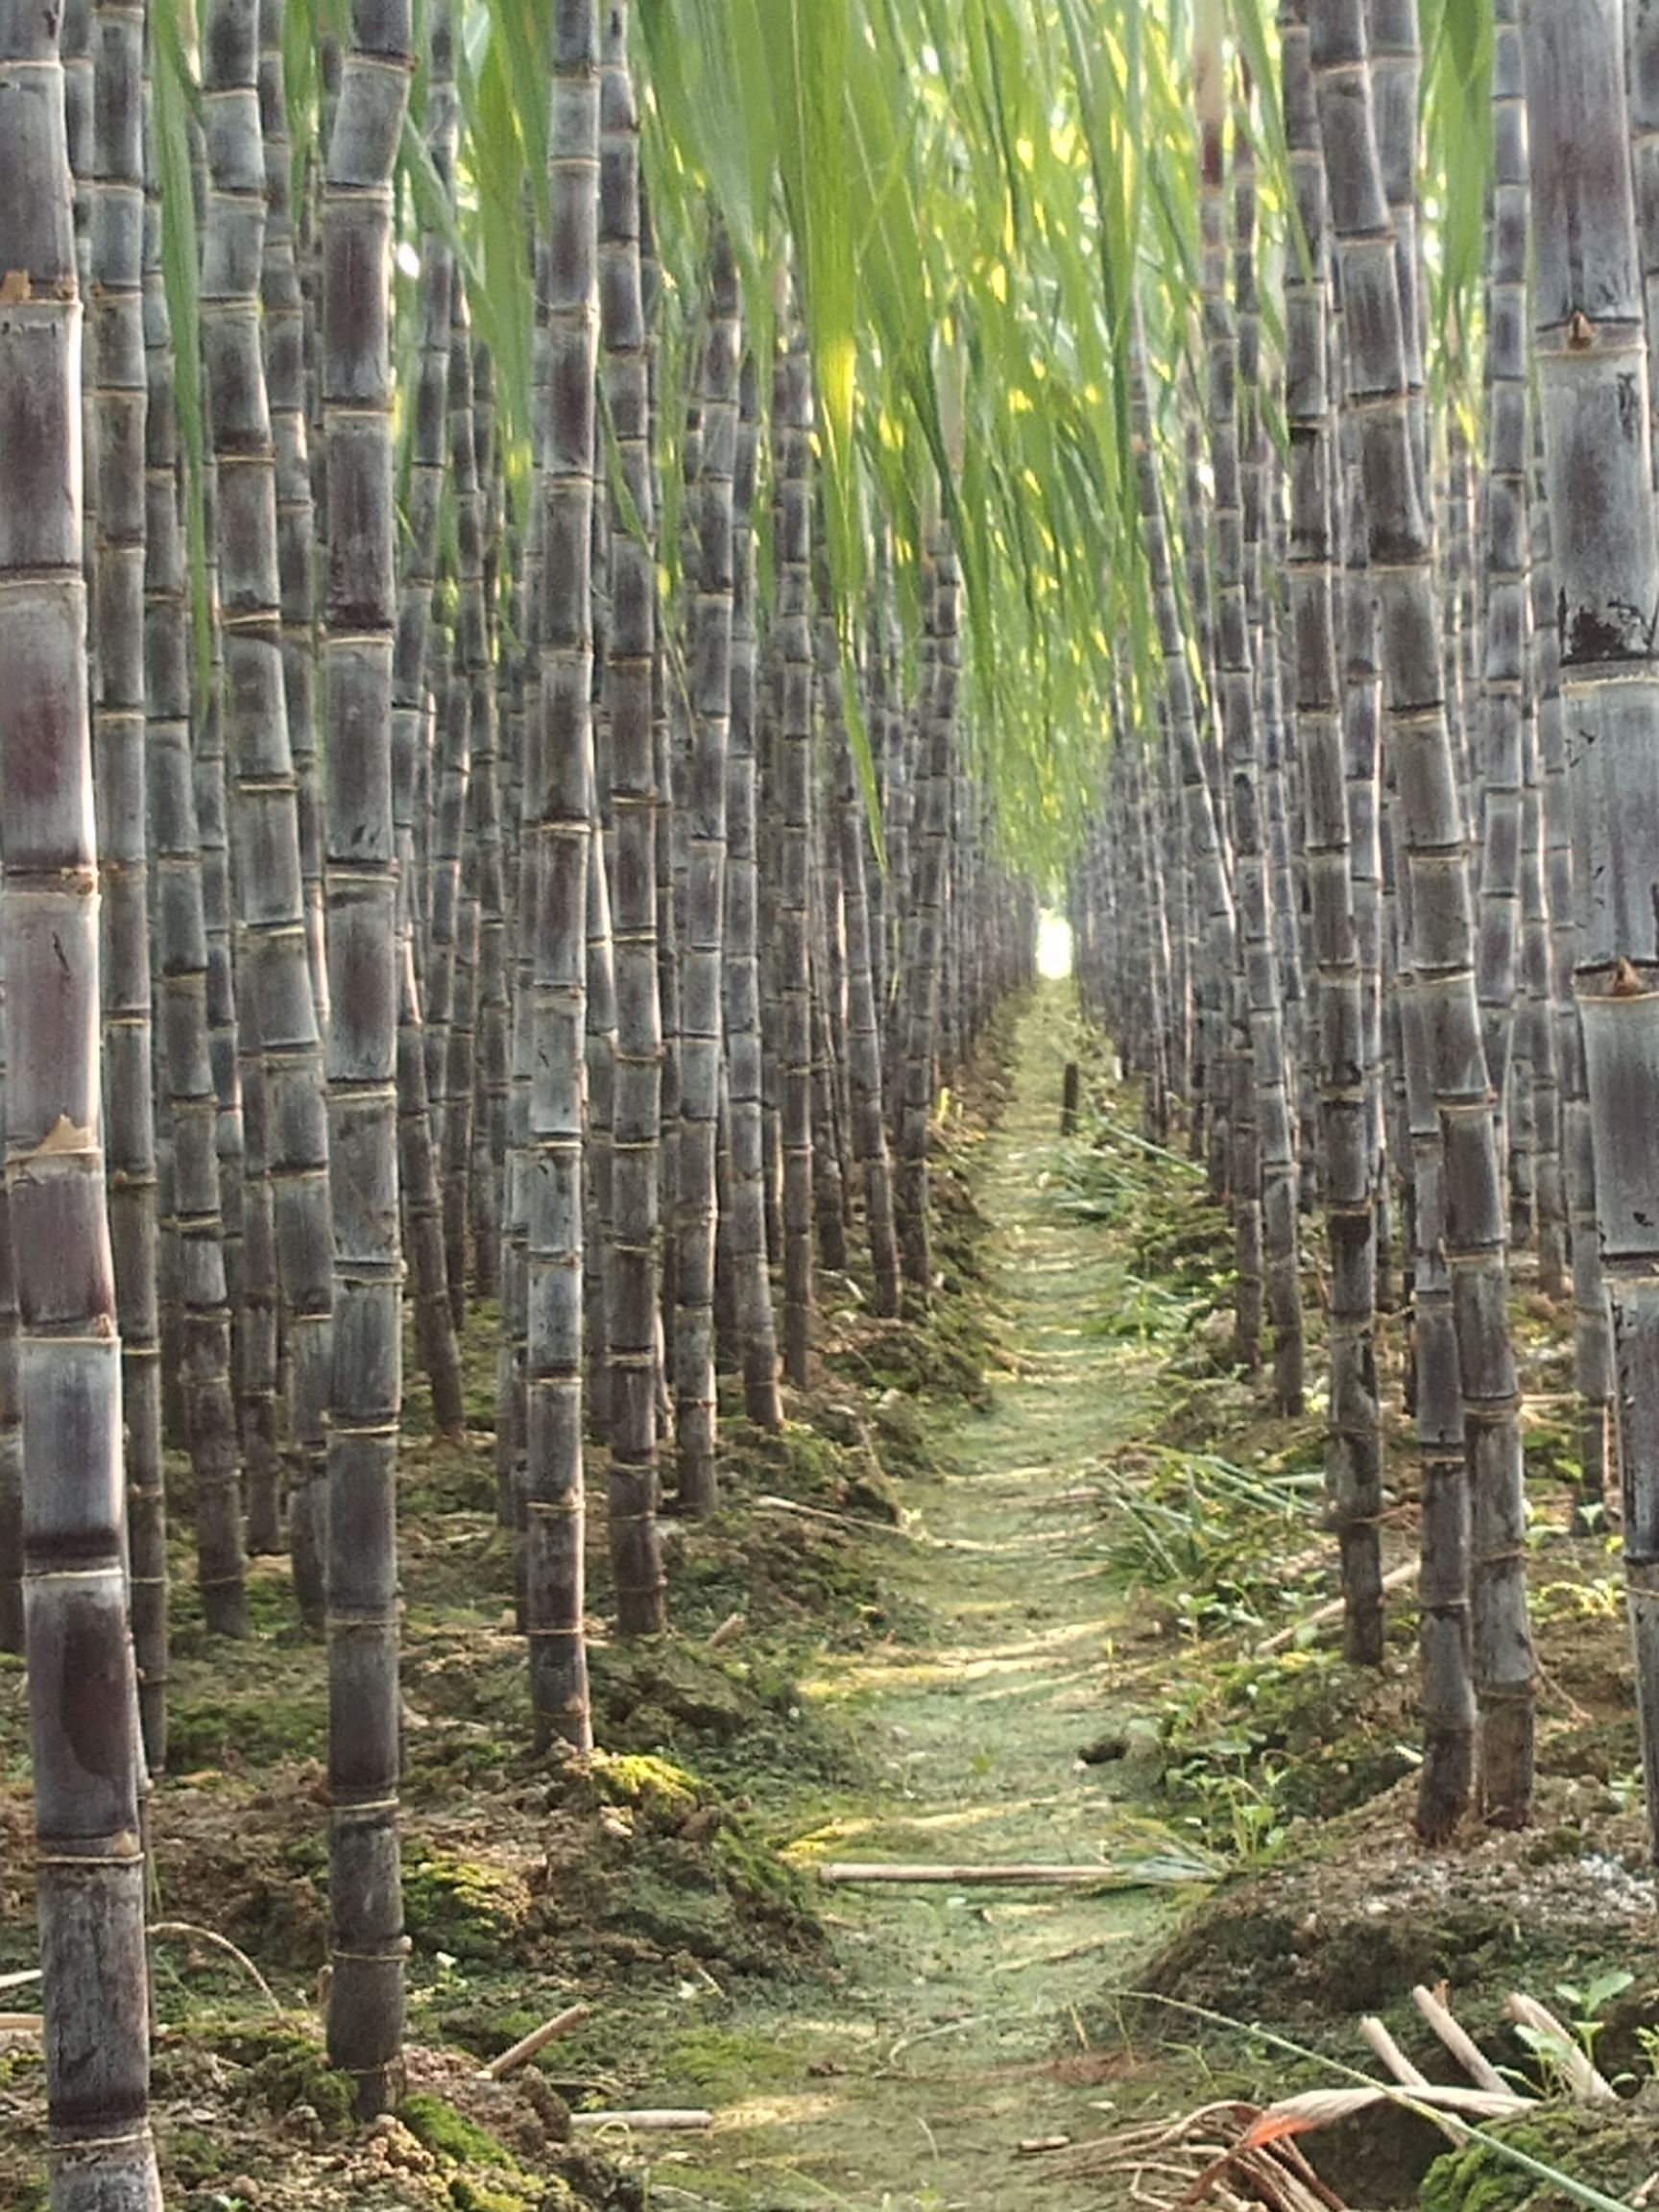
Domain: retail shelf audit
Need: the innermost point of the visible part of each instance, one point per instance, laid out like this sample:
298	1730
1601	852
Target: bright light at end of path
1054	948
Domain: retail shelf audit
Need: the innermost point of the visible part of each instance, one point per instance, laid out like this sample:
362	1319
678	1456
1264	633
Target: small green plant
1235	1796
1587	2004
1218	1533
1591	2001
1601	1599
1147	1314
1627	1788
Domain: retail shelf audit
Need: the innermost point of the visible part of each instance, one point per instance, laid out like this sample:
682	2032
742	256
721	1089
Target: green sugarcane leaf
177	102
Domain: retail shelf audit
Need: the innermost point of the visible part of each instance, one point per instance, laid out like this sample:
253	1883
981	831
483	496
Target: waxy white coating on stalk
367	1947
82	1693
1591	349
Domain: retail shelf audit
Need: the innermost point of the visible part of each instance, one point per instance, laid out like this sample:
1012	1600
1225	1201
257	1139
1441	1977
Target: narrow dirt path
960	2029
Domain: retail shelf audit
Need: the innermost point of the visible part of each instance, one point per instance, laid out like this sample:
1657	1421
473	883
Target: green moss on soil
1614	2152
937	1358
722	2066
469	2196
441	2128
259	1725
901	1435
191	2155
665	1794
286	2068
646	1859
735	1905
649	1697
465	1908
738	1715
754	1871
487	2028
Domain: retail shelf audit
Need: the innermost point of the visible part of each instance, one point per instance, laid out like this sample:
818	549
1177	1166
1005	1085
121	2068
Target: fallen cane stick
855	1520
1588	2085
1395	1578
527	2045
1042	1877
1462	2046
187	1932
590	2122
1378	2037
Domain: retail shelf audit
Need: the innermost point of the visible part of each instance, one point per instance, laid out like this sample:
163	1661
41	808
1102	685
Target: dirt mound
248	2115
1360	1914
643	1861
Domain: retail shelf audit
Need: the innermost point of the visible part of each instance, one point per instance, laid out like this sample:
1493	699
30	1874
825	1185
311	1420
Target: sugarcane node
1581	332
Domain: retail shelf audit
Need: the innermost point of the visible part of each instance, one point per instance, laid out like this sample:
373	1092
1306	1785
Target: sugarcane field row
829	1064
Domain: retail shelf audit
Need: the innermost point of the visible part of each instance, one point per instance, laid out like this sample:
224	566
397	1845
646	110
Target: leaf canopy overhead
963	195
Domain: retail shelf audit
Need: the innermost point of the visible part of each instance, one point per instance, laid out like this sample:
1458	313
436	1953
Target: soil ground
1033	1580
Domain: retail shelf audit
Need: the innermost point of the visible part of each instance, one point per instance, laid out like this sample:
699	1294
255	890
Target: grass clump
1231	1553
1226	1547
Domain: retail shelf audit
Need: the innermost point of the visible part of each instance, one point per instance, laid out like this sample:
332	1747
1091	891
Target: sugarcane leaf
176	99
